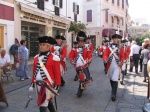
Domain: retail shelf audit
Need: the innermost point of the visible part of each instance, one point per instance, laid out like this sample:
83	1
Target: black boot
122	81
80	91
111	83
114	90
43	109
62	81
76	78
51	107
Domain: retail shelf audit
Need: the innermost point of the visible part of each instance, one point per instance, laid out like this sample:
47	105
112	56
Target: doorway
1	36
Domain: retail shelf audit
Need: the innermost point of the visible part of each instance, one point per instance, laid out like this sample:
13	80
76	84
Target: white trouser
114	70
124	66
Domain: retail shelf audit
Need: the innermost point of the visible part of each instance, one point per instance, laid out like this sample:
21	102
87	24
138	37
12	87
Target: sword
39	83
30	98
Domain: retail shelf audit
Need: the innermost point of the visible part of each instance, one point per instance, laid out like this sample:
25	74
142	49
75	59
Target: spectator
4	61
141	59
23	55
14	51
134	56
145	57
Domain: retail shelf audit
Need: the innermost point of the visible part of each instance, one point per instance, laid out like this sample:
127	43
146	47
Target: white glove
31	89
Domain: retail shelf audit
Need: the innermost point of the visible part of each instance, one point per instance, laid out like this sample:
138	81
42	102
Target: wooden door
1	36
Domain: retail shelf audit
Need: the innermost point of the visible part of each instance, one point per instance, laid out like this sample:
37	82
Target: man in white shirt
134	56
4	60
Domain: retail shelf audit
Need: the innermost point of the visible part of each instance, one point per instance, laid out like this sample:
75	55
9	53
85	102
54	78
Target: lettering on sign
59	24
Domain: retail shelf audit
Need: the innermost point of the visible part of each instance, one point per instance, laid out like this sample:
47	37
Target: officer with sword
114	59
46	76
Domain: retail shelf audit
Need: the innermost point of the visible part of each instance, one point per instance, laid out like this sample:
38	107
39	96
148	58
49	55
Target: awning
108	32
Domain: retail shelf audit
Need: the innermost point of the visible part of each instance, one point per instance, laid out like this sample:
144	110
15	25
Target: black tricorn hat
60	37
106	41
75	42
123	41
81	36
117	36
47	39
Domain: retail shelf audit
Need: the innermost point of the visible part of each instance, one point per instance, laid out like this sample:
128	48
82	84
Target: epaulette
36	56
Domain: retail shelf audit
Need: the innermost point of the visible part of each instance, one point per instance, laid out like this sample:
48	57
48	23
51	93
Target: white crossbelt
113	52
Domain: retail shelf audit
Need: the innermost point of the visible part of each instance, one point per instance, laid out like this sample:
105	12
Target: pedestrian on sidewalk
23	56
144	54
141	59
60	49
46	71
14	51
134	56
114	59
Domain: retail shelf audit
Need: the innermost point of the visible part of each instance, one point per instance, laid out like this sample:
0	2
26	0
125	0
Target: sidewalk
96	98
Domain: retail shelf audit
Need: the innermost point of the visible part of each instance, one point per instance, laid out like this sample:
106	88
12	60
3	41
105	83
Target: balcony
115	26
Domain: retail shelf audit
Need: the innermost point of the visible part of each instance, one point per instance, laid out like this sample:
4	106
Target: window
122	22
113	1
75	8
112	19
118	2
40	4
106	15
75	17
123	4
89	15
56	11
58	3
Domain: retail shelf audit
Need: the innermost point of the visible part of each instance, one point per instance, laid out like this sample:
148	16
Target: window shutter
77	9
106	16
60	3
40	4
118	2
53	2
73	7
123	4
56	11
75	17
89	15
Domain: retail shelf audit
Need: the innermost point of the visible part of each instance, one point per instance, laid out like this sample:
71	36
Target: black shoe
144	80
113	97
122	83
79	95
75	78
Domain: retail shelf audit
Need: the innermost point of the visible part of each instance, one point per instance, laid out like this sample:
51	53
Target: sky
140	9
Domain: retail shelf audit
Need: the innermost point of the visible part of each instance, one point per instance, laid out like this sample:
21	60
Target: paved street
96	98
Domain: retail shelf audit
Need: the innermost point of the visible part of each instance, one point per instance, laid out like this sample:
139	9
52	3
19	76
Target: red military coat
91	48
102	50
86	55
53	68
108	52
63	54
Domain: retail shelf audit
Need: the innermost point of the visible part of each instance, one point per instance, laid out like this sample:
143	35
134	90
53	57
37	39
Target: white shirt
4	60
134	49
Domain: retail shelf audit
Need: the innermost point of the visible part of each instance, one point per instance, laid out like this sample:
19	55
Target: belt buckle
42	65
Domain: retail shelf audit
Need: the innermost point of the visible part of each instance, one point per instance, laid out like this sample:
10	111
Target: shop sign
35	18
59	24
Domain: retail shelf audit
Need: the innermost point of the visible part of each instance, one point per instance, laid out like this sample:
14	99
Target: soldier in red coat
46	74
89	45
114	59
80	59
72	53
60	50
102	52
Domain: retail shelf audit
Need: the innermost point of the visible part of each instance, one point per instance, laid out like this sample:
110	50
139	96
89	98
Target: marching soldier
102	51
89	45
60	50
81	58
114	58
46	74
124	48
72	52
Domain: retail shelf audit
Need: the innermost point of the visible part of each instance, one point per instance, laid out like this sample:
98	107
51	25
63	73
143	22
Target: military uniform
61	51
114	58
46	69
80	58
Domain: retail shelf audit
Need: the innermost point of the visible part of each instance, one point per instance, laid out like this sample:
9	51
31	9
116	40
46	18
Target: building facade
6	24
35	18
104	18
